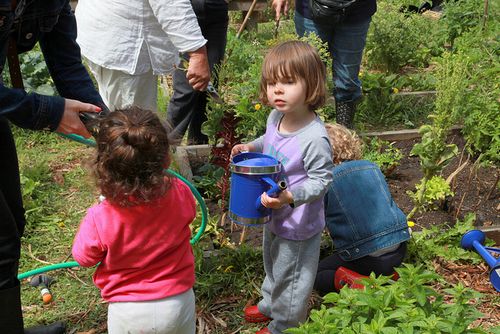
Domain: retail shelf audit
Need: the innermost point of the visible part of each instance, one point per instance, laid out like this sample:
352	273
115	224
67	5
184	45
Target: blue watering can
474	239
251	175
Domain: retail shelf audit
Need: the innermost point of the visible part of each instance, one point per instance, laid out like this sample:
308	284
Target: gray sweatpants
290	267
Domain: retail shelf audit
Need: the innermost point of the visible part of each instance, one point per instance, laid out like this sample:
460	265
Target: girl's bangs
279	71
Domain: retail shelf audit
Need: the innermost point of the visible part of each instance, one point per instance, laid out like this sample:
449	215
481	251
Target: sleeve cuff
50	111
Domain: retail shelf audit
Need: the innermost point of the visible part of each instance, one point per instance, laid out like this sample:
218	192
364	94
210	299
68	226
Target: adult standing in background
187	106
52	24
129	43
346	41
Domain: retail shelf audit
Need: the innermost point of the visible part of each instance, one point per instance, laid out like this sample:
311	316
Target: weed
383	153
442	242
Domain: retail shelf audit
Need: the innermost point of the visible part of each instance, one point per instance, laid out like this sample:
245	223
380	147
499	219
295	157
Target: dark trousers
187	107
12	219
380	265
11	229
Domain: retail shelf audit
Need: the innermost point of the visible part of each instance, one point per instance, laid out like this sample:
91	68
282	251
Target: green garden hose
196	193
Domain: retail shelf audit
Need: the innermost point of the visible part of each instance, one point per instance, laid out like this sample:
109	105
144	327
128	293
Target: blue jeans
346	42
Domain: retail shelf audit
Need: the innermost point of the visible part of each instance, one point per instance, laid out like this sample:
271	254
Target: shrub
397	39
409	305
480	109
460	17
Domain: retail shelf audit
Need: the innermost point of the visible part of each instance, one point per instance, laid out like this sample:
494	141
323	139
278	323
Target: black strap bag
329	11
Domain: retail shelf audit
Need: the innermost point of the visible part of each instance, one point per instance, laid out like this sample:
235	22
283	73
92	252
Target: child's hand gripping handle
275	189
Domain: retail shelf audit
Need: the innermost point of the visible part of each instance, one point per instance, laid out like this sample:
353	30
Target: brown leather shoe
264	330
252	314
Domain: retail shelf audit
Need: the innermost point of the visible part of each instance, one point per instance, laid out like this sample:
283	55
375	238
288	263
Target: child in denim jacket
368	230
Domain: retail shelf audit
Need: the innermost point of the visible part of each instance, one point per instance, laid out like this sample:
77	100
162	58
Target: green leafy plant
460	17
239	77
214	233
383	106
383	153
35	74
206	179
397	39
478	50
433	151
409	305
436	189
442	242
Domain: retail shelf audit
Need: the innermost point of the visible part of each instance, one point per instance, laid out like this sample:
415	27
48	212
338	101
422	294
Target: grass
56	193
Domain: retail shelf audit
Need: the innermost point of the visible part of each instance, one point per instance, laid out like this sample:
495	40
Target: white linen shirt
136	36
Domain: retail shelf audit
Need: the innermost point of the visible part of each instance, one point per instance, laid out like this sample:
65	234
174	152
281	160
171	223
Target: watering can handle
275	189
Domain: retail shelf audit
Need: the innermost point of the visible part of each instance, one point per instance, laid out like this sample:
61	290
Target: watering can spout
474	239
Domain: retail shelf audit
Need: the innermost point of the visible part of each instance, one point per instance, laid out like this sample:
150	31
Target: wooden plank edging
200	151
401	135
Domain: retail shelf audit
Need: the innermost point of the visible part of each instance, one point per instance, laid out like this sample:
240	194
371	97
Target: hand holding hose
70	122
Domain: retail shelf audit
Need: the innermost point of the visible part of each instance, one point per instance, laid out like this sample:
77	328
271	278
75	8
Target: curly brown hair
132	152
345	143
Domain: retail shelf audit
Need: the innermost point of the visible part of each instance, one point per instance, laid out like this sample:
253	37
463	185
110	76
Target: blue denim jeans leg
346	42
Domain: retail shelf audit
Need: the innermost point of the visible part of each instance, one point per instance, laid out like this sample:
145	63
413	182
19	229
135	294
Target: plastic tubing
71	264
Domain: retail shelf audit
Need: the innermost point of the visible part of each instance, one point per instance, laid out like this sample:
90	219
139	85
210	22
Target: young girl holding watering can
369	231
140	233
293	82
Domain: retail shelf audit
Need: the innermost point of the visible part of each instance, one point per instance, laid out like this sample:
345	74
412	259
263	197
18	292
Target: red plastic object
344	276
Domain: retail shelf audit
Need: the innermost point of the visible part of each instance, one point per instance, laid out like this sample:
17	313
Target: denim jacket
53	25
361	215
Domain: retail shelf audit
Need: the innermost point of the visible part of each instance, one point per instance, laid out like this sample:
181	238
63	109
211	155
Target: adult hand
237	149
70	121
280	6
285	197
198	73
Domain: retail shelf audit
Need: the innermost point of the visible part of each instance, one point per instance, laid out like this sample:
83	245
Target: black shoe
58	327
345	113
